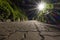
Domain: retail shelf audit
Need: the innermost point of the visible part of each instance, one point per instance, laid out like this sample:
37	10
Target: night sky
27	6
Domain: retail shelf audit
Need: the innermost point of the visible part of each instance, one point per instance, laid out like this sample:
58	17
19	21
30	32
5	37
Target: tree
9	10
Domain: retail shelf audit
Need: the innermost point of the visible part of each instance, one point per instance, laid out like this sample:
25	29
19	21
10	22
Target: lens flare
41	6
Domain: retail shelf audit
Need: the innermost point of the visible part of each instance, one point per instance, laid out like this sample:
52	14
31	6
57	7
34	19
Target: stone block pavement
28	30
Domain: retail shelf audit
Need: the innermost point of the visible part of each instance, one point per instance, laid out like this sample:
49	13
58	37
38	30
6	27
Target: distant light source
41	6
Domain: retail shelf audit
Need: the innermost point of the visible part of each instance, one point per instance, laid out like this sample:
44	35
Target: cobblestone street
28	30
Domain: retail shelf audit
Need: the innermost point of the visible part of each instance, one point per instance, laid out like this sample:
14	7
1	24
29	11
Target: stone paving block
16	36
51	33
33	36
51	38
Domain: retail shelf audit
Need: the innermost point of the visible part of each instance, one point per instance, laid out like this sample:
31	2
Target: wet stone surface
28	30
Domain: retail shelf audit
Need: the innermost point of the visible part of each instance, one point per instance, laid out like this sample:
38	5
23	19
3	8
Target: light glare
41	6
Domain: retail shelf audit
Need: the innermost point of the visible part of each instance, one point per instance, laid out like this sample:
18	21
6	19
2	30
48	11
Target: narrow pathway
28	30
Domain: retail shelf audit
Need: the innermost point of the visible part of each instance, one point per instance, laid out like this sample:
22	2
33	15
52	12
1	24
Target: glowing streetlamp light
41	6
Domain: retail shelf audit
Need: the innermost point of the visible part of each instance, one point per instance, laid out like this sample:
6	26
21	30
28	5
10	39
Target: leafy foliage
41	16
9	10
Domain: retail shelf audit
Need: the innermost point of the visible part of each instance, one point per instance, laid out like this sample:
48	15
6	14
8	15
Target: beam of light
41	6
